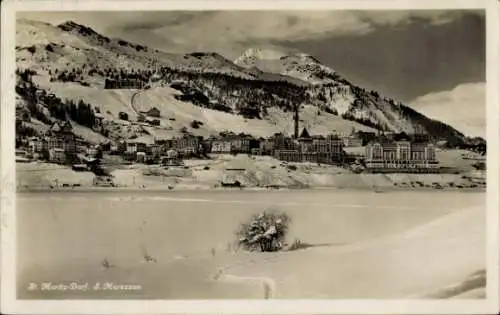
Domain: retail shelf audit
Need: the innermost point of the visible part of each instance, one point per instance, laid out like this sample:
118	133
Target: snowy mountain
261	87
298	65
41	45
329	90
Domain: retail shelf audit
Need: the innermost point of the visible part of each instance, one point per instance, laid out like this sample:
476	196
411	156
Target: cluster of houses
381	155
317	149
59	145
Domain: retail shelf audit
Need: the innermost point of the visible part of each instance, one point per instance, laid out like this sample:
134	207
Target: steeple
296	121
305	134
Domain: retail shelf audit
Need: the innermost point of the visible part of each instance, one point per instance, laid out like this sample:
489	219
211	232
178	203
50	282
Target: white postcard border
9	303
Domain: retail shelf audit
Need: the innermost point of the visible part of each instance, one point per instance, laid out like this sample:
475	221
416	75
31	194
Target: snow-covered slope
176	114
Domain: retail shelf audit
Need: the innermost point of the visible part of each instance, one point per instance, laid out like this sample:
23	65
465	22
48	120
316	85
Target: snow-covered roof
142	139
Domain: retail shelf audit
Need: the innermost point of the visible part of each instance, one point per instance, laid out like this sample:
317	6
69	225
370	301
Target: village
357	152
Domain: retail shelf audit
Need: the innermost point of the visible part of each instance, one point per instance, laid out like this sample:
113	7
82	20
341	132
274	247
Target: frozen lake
65	236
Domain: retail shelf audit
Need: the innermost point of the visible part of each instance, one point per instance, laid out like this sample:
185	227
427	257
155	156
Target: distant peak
252	54
302	57
71	26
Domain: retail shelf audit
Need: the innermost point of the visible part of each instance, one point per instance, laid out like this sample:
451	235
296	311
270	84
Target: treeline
82	113
73	75
38	99
78	74
249	98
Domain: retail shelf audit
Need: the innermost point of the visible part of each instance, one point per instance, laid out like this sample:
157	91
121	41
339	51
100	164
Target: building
305	141
37	145
92	151
352	141
57	155
155	149
206	145
233	144
153	121
54	143
401	156
288	155
141	118
153	112
135	146
124	84
81	146
141	157
329	144
60	136
315	149
118	147
221	146
171	159
266	147
240	144
187	145
281	142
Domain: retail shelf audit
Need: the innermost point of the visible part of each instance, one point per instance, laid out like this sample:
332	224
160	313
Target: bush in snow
264	232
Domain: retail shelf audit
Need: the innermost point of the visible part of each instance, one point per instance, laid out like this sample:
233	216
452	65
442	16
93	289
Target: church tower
296	122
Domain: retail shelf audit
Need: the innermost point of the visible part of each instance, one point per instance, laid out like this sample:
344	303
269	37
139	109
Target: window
377	152
431	154
404	152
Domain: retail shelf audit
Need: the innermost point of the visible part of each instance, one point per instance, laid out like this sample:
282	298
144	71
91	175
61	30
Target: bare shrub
264	232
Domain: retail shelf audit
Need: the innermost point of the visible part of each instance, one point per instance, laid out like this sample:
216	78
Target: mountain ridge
242	87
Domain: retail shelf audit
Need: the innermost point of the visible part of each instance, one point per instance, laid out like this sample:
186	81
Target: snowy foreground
178	245
432	260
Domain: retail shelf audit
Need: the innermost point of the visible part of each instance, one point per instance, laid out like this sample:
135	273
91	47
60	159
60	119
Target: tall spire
296	121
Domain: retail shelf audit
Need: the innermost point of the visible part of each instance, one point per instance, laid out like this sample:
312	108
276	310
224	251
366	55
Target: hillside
256	94
176	114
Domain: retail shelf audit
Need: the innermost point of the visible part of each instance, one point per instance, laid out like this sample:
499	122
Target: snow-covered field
366	245
256	171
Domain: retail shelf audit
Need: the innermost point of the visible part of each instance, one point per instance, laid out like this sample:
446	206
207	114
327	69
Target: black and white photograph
285	154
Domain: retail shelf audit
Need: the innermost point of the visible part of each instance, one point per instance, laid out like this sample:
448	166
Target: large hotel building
401	156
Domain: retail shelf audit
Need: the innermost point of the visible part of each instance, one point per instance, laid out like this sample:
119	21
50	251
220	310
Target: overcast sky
423	58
